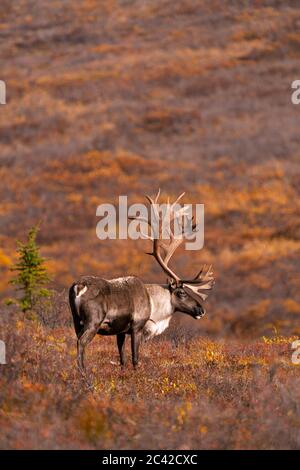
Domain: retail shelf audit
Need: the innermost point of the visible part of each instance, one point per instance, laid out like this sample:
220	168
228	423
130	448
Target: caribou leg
86	337
121	347
136	337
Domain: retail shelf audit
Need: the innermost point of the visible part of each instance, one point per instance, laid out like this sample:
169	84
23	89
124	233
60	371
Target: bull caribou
127	305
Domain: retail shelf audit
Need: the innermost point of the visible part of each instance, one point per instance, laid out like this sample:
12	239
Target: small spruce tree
31	272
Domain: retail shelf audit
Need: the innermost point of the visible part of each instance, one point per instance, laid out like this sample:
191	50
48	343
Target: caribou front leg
121	347
136	337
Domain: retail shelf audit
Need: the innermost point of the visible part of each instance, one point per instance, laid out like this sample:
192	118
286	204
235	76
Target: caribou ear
172	284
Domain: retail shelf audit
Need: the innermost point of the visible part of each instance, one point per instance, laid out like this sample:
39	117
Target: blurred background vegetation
120	97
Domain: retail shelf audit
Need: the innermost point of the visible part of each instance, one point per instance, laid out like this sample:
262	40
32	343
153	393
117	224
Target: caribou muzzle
198	312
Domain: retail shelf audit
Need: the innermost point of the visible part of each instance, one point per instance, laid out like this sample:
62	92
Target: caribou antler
173	215
157	232
203	282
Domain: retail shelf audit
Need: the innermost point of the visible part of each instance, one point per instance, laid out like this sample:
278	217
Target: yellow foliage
251	360
291	306
182	414
92	422
213	354
19	325
74	197
4	259
203	429
32	387
279	339
167	385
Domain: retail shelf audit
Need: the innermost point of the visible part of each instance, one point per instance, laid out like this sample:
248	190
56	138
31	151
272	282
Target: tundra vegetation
104	99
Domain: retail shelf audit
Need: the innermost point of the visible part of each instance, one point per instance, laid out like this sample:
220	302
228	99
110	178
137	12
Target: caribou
129	306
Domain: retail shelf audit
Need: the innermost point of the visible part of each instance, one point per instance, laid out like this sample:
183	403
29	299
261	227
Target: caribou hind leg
121	347
136	337
84	339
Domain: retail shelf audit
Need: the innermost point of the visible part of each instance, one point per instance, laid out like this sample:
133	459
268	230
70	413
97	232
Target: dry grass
200	394
122	97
